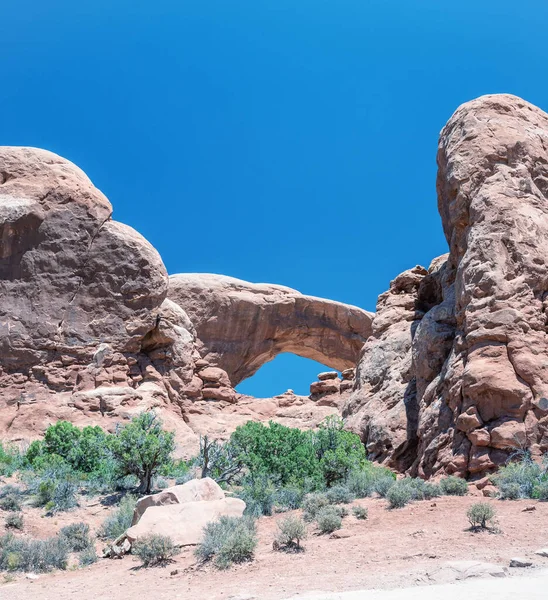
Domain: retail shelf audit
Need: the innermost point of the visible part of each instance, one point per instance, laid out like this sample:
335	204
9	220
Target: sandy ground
392	549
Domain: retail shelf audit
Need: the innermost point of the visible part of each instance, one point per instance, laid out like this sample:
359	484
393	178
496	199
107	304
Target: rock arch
242	325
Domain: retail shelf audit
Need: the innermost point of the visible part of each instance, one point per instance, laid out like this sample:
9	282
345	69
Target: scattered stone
542	552
529	508
328	375
174	572
340	534
520	562
465	569
32	576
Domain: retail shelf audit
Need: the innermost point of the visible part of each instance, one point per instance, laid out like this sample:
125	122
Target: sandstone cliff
451	371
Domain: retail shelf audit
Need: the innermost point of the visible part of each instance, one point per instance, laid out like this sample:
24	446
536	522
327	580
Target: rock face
451	372
242	325
454	377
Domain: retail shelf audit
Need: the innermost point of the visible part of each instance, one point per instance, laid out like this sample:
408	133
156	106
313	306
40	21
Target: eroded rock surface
465	381
242	325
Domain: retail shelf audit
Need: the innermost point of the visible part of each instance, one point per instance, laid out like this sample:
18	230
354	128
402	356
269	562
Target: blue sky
290	142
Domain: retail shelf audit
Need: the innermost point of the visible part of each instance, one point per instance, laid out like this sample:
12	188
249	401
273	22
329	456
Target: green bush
339	494
283	453
64	497
87	557
540	491
400	494
259	495
38	556
291	531
11	459
328	519
142	448
360	512
119	521
228	540
312	504
383	485
363	482
10	503
522	478
481	515
14	521
154	550
453	486
288	498
76	536
339	452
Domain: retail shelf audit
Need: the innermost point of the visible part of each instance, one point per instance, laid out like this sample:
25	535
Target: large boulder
242	325
184	523
195	490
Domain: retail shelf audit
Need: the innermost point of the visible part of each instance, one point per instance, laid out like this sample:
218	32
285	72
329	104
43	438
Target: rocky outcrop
242	325
451	374
459	385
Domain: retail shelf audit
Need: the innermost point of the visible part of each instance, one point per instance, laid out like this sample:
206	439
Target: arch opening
285	371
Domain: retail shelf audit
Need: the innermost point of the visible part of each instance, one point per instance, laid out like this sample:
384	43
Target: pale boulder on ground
184	523
192	491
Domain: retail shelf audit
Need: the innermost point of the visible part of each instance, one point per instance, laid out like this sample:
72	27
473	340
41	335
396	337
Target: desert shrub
342	511
288	498
328	519
14	521
10	503
284	453
259	495
87	557
522	478
453	486
39	556
160	483
154	550
10	490
76	536
119	521
11	459
228	540
363	482
222	461
339	452
360	512
312	504
400	494
142	448
64	497
291	531
510	491
383	485
339	494
82	449
184	478
540	491
481	515
431	490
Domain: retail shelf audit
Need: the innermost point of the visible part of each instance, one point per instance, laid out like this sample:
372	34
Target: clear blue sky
286	141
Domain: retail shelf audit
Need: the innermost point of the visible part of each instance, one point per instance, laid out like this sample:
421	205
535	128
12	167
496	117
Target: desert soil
393	549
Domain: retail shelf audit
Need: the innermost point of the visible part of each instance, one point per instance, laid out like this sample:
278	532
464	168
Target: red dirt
393	548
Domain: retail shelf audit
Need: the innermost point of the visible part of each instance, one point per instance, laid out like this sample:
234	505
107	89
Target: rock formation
88	334
455	377
450	373
242	325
